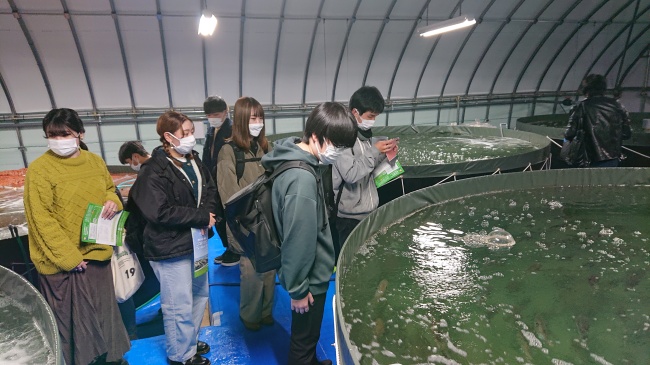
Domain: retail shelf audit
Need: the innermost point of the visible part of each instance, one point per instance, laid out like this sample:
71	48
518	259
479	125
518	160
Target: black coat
210	159
166	200
606	124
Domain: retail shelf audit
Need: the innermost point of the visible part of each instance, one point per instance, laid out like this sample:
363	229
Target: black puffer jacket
166	200
606	124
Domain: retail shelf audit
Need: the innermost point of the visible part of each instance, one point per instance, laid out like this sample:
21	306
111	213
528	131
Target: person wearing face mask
299	210
132	153
75	278
238	166
216	110
174	192
352	180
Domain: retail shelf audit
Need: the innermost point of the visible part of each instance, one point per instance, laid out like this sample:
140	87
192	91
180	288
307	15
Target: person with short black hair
352	180
299	211
133	153
604	120
216	110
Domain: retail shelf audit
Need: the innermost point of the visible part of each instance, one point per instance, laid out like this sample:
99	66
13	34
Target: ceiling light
207	24
446	26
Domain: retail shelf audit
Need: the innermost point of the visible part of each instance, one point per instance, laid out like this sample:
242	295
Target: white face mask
135	167
186	146
365	123
255	129
330	155
215	122
63	147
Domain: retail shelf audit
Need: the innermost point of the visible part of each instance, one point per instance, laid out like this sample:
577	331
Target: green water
446	148
574	288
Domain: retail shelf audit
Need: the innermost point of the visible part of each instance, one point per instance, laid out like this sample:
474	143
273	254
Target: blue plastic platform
230	342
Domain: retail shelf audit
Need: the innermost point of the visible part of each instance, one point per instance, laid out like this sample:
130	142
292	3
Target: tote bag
127	272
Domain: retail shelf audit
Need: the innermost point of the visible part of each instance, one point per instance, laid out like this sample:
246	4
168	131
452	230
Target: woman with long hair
239	165
75	277
176	196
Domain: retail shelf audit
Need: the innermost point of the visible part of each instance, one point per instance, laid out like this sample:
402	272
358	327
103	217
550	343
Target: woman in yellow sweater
75	277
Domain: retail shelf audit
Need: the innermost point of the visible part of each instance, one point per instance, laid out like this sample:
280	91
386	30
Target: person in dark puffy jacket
175	194
605	122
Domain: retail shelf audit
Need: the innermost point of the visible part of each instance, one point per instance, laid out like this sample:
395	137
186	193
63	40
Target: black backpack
249	214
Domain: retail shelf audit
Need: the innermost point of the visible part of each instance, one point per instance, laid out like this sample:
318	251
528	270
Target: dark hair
214	104
331	121
367	98
59	123
129	148
170	121
241	136
593	85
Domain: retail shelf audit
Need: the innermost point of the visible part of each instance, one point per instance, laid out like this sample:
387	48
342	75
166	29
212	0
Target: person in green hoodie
301	219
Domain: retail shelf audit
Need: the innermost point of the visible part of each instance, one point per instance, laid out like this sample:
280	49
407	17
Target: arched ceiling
138	55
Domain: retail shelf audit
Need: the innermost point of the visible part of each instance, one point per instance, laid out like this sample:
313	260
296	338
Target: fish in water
380	328
540	329
633	279
582	324
534	267
593	281
381	289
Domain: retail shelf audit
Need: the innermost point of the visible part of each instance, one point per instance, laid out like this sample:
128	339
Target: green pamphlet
200	243
95	229
387	171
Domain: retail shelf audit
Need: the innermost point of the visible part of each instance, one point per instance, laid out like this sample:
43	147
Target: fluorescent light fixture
446	26
207	24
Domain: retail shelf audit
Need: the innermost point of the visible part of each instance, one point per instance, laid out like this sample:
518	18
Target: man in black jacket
604	121
216	110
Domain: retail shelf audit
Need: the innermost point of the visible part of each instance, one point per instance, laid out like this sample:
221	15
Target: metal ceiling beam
164	54
311	51
426	63
636	59
624	51
32	46
205	68
627	41
591	39
568	39
409	36
10	101
379	34
548	35
241	47
84	66
277	51
512	50
122	52
351	21
489	45
462	46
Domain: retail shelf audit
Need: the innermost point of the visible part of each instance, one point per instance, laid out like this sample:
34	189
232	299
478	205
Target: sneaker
228	258
268	320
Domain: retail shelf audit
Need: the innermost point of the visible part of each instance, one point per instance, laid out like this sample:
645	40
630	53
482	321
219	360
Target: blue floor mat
230	341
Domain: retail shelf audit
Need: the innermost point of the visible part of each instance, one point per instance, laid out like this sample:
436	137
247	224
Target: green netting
405	206
536	151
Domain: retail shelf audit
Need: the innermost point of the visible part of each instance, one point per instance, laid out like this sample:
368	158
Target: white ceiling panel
558	8
188	7
135	7
355	57
184	61
327	45
37	6
19	69
260	37
4	103
88	6
387	54
295	45
436	69
408	9
410	68
145	61
339	8
301	8
222	60
264	8
374	9
222	8
101	50
54	42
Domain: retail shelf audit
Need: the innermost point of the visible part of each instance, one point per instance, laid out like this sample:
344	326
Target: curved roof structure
131	55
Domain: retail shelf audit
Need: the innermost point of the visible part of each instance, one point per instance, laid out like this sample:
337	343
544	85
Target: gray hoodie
301	221
354	168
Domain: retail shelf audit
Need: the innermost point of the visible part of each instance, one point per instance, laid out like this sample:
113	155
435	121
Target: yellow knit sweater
57	192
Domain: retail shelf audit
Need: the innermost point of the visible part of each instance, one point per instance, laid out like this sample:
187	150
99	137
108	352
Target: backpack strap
240	160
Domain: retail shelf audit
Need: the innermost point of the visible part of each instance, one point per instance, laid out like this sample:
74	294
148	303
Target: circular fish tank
29	333
554	125
543	267
433	154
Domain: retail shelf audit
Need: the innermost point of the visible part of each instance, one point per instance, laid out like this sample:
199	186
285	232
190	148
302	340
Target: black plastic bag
574	152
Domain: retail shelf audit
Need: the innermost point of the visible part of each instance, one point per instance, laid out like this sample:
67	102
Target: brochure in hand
95	229
387	171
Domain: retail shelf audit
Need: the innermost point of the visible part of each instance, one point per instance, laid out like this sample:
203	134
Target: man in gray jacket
352	172
301	219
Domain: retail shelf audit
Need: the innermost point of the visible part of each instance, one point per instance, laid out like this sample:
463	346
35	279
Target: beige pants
256	292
